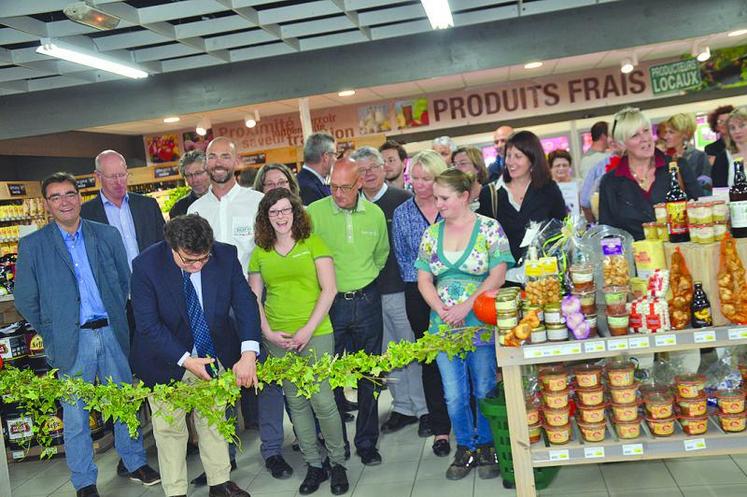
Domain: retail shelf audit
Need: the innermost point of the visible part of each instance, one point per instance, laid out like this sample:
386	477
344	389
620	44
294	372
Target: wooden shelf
527	456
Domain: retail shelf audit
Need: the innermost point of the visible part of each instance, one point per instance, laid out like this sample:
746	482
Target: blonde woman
678	136
736	146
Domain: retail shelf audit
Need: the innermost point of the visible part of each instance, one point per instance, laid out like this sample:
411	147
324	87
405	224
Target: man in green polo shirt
355	231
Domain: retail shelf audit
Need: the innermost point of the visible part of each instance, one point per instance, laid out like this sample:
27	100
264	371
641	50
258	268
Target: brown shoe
228	489
89	491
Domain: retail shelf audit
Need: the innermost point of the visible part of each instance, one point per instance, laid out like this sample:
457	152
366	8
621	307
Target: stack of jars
660	412
708	221
657	230
692	403
731	413
582	281
590	402
618	312
507	309
556	409
623	389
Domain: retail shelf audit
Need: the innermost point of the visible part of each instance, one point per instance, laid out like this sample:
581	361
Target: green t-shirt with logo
291	284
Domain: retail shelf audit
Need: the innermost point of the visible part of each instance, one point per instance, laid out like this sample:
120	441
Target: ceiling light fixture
738	32
251	120
439	13
172	119
533	65
83	13
70	53
346	93
203	125
704	54
628	64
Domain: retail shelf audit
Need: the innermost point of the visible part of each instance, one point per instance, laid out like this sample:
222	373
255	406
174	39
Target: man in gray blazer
72	284
137	217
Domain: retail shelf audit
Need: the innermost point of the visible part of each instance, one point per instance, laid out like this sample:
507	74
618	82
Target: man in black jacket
318	156
137	217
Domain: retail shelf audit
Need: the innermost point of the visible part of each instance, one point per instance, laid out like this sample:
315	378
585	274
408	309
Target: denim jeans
480	367
99	355
358	325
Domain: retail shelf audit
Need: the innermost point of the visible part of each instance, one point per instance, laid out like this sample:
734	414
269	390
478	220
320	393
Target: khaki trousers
171	442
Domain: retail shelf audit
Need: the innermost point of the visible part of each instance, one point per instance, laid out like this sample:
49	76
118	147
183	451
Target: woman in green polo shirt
295	268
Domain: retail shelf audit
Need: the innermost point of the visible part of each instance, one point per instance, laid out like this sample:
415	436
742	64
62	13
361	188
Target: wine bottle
676	205
738	201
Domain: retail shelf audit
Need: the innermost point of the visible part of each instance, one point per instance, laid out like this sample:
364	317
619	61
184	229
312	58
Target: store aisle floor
411	470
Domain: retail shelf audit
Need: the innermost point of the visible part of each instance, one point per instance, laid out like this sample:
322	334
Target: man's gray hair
190	158
368	153
445	140
97	160
317	144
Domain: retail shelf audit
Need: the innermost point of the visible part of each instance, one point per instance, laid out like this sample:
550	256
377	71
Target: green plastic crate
494	410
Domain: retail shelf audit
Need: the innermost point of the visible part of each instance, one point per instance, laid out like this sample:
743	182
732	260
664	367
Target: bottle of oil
738	201
676	204
700	308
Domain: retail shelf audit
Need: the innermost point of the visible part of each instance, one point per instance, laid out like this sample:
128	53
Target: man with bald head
137	217
500	137
356	232
230	210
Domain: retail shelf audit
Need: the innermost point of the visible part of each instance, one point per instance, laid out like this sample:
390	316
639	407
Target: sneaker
396	422
487	462
314	477
338	484
146	475
464	461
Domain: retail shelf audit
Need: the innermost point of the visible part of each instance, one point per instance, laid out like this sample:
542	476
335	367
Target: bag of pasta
681	283
732	287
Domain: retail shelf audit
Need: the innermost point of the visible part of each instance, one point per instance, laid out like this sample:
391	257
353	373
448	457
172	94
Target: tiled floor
411	470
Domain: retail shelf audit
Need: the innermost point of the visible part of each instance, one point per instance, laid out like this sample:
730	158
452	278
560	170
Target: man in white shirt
230	209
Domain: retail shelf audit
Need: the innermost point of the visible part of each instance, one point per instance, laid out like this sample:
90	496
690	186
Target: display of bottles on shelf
146	188
23	209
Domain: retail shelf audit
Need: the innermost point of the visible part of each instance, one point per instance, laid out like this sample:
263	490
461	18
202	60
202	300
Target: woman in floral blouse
459	258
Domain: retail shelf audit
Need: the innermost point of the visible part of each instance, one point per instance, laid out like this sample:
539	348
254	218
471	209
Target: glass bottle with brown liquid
738	201
676	204
700	307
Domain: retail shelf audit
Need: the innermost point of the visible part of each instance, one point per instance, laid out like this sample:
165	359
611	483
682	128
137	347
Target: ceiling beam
415	57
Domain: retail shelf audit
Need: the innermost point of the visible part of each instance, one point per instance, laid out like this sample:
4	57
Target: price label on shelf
704	336
593	452
559	455
665	340
695	444
594	346
639	343
17	454
618	344
533	352
571	348
633	449
737	333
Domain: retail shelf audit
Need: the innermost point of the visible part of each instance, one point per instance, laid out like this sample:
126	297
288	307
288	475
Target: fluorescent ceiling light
439	13
533	65
172	119
203	126
738	32
55	48
346	93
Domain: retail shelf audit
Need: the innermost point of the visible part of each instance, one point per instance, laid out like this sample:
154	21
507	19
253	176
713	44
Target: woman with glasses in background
271	176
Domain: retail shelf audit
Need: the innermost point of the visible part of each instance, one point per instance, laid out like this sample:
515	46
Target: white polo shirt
232	218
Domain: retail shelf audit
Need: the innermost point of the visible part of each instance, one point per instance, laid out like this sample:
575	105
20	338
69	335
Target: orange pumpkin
484	307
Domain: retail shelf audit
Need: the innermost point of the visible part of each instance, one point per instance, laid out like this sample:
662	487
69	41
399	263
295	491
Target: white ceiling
432	85
173	35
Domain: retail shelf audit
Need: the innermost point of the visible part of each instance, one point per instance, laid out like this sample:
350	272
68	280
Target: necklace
642	179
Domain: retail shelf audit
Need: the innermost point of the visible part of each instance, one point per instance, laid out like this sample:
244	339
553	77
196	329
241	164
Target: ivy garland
37	395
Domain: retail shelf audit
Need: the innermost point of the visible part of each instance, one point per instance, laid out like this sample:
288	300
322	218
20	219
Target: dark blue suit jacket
146	215
311	188
47	294
163	332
